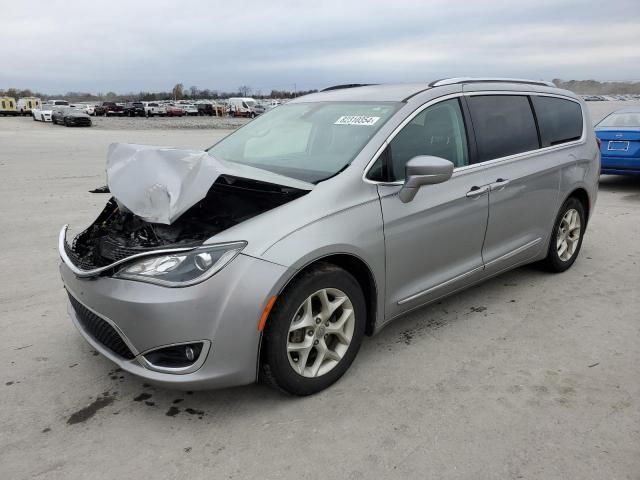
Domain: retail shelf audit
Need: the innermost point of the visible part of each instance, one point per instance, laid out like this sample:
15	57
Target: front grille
100	330
83	262
113	250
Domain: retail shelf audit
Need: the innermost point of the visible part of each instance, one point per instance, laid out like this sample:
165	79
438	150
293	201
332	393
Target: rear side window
503	124
560	120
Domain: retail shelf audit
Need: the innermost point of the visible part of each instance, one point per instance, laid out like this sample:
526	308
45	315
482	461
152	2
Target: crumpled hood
159	184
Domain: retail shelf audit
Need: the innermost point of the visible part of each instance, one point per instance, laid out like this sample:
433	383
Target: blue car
619	135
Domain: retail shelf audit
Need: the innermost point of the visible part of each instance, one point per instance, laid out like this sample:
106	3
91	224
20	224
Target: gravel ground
527	376
143	123
166	123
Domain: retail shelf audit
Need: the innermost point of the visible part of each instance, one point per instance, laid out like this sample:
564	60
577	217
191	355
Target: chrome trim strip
456	80
180	370
517	156
513	253
96	271
125	339
471	272
440	285
453	292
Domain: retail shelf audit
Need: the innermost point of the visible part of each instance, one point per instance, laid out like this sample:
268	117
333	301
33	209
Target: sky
98	46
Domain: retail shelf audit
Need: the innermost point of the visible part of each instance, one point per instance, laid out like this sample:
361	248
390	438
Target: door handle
476	191
499	184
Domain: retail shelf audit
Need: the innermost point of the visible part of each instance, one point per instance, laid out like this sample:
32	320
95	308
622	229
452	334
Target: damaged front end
119	236
166	203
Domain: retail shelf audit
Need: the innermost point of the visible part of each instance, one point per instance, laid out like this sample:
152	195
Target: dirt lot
530	375
142	123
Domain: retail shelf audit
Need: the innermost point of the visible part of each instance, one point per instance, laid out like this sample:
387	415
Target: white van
27	104
244	107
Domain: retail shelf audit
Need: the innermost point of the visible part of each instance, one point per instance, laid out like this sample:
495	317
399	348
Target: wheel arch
583	197
360	270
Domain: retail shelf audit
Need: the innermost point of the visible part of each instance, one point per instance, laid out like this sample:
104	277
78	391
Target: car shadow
619	183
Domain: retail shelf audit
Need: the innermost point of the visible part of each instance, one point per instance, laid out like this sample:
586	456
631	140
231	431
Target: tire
570	226
301	300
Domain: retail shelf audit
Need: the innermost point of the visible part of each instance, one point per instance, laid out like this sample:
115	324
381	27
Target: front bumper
223	311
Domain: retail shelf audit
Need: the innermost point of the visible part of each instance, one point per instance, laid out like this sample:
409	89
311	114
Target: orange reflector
265	313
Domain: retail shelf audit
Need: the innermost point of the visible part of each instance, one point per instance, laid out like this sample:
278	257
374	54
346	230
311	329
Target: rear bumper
222	311
620	165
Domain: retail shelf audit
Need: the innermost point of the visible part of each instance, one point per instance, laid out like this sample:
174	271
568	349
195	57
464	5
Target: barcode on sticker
356	120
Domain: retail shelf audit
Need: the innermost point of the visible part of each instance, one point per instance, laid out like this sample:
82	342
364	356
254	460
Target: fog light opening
176	356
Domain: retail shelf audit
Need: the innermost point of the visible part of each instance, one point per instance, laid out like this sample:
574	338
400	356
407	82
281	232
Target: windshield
621	120
306	141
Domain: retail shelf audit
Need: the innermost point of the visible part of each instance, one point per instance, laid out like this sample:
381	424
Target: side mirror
424	170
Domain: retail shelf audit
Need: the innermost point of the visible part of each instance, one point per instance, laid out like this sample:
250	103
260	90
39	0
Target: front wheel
314	331
566	237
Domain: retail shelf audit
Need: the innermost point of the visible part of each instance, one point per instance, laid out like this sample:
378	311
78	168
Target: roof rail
453	81
347	85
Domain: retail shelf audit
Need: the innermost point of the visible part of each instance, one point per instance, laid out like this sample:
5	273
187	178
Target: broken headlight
181	269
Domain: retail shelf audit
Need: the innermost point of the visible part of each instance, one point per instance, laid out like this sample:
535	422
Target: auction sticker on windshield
356	120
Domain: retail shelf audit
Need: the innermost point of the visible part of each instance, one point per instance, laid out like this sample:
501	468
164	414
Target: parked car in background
26	104
43	113
386	198
174	111
211	109
134	109
57	103
88	108
111	108
189	109
8	106
70	117
244	107
153	109
619	135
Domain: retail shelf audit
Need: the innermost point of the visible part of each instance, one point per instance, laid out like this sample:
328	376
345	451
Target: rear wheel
314	331
567	235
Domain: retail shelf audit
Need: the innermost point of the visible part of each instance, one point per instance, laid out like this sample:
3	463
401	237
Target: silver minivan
327	218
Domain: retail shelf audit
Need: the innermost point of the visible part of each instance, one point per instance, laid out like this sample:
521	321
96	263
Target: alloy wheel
568	235
320	332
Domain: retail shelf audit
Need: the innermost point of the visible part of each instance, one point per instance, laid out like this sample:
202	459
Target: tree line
593	87
178	92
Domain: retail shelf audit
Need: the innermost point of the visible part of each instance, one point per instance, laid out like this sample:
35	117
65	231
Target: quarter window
438	131
503	124
559	120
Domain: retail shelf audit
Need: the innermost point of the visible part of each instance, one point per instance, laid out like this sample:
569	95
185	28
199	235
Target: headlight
183	268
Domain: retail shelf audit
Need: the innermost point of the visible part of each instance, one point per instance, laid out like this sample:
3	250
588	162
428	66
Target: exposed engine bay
117	233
